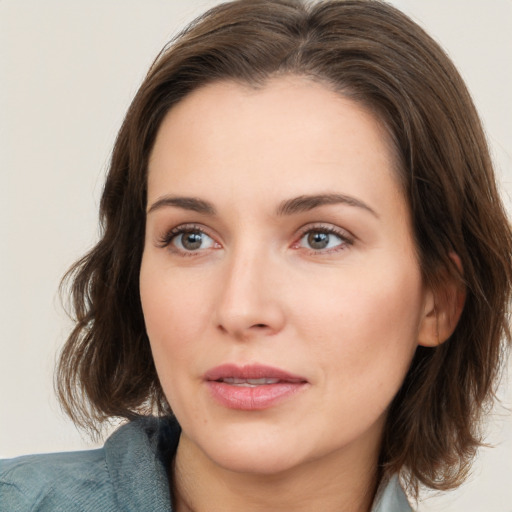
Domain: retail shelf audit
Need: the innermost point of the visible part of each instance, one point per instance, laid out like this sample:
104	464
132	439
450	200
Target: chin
257	448
264	461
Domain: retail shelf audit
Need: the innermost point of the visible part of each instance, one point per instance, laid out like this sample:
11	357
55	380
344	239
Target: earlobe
443	307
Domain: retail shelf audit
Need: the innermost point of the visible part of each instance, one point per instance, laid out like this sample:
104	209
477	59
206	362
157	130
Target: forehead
292	130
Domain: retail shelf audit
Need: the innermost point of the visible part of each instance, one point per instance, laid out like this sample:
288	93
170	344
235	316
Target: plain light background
68	70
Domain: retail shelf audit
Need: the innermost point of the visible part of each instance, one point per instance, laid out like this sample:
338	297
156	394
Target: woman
304	258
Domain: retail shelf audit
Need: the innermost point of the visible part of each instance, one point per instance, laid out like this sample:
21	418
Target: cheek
366	333
175	315
173	326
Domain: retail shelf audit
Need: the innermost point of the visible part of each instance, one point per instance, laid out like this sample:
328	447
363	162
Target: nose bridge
248	301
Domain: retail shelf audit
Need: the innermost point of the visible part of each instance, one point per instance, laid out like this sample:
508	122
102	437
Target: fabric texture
128	474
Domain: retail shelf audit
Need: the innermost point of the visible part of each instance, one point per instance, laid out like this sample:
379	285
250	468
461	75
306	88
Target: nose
250	303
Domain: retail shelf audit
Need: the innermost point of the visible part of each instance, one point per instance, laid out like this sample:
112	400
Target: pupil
192	240
318	240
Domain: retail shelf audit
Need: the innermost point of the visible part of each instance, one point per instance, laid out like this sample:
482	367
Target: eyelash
165	241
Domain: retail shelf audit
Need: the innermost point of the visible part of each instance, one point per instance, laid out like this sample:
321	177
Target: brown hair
372	53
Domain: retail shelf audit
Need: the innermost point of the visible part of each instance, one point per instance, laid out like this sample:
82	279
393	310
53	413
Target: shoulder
56	482
128	473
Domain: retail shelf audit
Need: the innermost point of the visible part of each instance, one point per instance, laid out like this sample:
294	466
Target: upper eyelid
189	226
326	226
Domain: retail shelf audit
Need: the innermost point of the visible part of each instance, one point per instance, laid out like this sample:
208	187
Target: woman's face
280	286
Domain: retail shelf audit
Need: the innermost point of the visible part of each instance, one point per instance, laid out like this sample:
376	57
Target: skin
347	318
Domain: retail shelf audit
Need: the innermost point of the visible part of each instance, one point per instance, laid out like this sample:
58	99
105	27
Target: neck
338	482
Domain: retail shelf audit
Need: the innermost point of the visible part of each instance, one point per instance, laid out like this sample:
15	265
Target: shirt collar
391	497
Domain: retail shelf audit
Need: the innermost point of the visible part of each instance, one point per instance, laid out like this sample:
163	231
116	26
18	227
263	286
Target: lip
252	397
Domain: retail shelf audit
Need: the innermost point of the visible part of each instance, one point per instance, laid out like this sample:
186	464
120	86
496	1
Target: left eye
320	240
193	240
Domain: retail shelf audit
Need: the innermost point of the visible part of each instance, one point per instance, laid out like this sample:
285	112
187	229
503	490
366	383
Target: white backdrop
68	70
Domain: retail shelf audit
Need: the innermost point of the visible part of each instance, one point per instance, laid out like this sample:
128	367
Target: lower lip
254	398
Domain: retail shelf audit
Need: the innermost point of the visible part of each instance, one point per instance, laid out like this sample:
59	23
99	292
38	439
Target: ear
442	309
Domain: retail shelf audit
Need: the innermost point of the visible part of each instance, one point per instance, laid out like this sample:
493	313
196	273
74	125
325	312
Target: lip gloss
252	387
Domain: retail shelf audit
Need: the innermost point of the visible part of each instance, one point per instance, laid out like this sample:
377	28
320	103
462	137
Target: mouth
252	387
248	383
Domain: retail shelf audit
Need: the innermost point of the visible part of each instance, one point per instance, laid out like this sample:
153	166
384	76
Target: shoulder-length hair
373	54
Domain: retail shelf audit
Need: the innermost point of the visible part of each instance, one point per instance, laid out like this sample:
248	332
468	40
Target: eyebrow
309	202
186	203
298	204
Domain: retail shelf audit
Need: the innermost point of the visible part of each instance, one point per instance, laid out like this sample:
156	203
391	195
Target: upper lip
252	371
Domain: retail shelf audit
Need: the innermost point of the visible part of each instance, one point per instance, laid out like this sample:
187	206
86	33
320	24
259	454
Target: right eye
191	240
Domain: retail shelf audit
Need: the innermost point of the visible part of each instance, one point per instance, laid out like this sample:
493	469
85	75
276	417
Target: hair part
373	54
